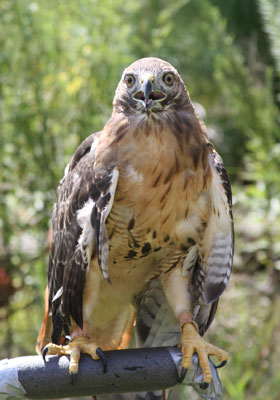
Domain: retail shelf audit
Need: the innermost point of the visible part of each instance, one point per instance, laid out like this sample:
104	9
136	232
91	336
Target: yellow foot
74	349
191	343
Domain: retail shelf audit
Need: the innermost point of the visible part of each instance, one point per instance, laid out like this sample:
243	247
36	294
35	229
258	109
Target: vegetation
60	63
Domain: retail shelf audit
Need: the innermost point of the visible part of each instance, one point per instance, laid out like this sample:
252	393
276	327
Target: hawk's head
150	86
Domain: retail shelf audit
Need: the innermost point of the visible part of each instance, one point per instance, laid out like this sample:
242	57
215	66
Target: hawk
144	207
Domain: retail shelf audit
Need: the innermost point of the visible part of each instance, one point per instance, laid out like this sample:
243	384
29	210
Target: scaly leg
176	288
192	342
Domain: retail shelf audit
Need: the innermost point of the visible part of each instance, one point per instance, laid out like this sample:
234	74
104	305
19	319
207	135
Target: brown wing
213	263
84	201
217	246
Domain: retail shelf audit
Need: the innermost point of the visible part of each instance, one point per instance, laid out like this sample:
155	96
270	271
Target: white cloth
10	386
194	378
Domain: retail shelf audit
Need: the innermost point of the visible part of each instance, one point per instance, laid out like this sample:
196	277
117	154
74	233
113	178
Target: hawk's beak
147	88
148	95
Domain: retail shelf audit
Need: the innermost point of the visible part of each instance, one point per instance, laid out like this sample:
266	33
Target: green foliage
270	11
60	63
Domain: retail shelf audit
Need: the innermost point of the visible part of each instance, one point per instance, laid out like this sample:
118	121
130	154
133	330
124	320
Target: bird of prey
145	200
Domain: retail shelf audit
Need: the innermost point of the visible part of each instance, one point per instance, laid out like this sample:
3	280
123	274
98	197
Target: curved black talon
204	385
73	379
103	358
44	352
223	363
183	374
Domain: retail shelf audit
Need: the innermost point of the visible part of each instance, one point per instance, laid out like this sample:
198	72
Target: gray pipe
134	370
128	371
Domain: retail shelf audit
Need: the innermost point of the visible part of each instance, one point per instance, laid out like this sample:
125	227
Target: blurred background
60	62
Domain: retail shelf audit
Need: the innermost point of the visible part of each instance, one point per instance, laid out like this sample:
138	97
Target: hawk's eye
129	80
169	78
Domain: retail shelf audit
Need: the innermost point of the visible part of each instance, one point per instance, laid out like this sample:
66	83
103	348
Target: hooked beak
148	96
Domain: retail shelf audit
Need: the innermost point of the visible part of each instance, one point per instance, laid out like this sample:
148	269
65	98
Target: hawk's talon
191	343
73	378
204	385
44	352
78	345
103	358
222	364
182	375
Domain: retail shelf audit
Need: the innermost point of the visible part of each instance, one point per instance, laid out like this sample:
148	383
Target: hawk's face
150	86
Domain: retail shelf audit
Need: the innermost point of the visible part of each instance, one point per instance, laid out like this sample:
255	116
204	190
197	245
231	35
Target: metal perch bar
133	370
